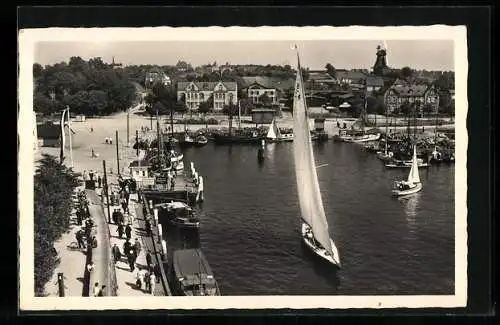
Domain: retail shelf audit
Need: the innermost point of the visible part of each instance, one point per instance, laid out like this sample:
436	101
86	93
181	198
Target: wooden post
137	142
60	282
117	155
128	128
106	189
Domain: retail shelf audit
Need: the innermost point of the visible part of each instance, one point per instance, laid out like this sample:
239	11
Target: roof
349	74
205	85
135	163
413	90
320	76
189	264
269	82
374	81
48	130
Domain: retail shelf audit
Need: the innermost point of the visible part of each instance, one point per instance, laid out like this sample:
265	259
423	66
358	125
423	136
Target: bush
196	121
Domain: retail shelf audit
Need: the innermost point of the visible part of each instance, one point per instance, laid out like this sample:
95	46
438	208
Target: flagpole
61	155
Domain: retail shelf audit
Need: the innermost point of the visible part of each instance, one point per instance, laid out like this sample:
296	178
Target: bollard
164	247
160	231
155	212
60	282
150	204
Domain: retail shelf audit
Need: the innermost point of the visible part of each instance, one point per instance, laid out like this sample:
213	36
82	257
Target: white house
194	93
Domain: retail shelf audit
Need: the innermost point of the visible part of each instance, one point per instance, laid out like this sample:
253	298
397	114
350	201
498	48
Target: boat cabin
193	275
139	169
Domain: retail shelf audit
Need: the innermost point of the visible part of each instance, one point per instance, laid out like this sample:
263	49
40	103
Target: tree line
54	184
89	87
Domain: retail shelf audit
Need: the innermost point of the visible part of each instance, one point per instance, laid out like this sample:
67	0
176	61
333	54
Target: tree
205	107
264	100
53	188
331	70
405	108
406	73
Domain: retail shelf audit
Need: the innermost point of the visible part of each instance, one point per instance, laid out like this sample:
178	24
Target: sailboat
412	184
315	234
362	135
274	134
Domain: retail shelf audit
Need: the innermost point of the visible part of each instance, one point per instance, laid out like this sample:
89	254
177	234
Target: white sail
413	176
271	133
311	204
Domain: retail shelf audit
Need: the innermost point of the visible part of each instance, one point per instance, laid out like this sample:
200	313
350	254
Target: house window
202	96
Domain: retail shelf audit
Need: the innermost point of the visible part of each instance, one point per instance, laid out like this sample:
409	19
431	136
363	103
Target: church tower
380	65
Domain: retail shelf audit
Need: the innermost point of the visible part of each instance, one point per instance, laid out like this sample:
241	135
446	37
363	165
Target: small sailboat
314	230
273	134
412	184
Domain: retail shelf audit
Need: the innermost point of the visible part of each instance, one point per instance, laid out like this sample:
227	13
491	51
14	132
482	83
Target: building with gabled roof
269	86
403	92
193	93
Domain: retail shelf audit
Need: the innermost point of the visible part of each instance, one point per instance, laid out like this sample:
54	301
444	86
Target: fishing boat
186	140
412	184
314	230
193	275
200	140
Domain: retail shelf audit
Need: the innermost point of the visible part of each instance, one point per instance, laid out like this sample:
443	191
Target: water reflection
410	206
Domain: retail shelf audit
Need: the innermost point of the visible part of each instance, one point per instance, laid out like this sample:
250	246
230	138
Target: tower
380	65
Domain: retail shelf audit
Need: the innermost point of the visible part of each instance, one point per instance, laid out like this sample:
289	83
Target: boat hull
318	251
363	138
406	165
413	190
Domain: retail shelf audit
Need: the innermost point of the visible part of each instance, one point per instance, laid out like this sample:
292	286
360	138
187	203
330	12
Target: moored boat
200	140
193	275
180	214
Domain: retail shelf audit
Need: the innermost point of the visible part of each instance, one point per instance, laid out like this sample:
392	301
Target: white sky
417	54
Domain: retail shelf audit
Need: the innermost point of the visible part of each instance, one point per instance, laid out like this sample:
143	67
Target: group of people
150	275
93	177
84	236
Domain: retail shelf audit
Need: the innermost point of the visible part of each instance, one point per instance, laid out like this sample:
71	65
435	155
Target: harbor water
250	224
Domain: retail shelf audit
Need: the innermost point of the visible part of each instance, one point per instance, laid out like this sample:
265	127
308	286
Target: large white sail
311	204
413	176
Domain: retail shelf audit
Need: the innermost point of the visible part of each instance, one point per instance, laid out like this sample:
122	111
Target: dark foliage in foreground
53	187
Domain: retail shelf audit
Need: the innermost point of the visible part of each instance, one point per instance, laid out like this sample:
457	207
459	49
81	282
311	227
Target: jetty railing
112	281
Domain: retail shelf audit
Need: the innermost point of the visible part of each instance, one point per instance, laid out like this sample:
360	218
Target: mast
386	130
239	114
158	139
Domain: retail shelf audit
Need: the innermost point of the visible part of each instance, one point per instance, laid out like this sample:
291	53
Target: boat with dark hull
180	214
193	276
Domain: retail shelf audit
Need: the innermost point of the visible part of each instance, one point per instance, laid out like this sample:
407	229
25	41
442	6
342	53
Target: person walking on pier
116	253
128	231
172	183
147	279
137	246
120	230
79	239
148	227
130	260
148	258
139	276
152	283
96	289
99	181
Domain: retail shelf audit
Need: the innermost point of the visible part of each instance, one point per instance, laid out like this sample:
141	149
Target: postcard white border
27	40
